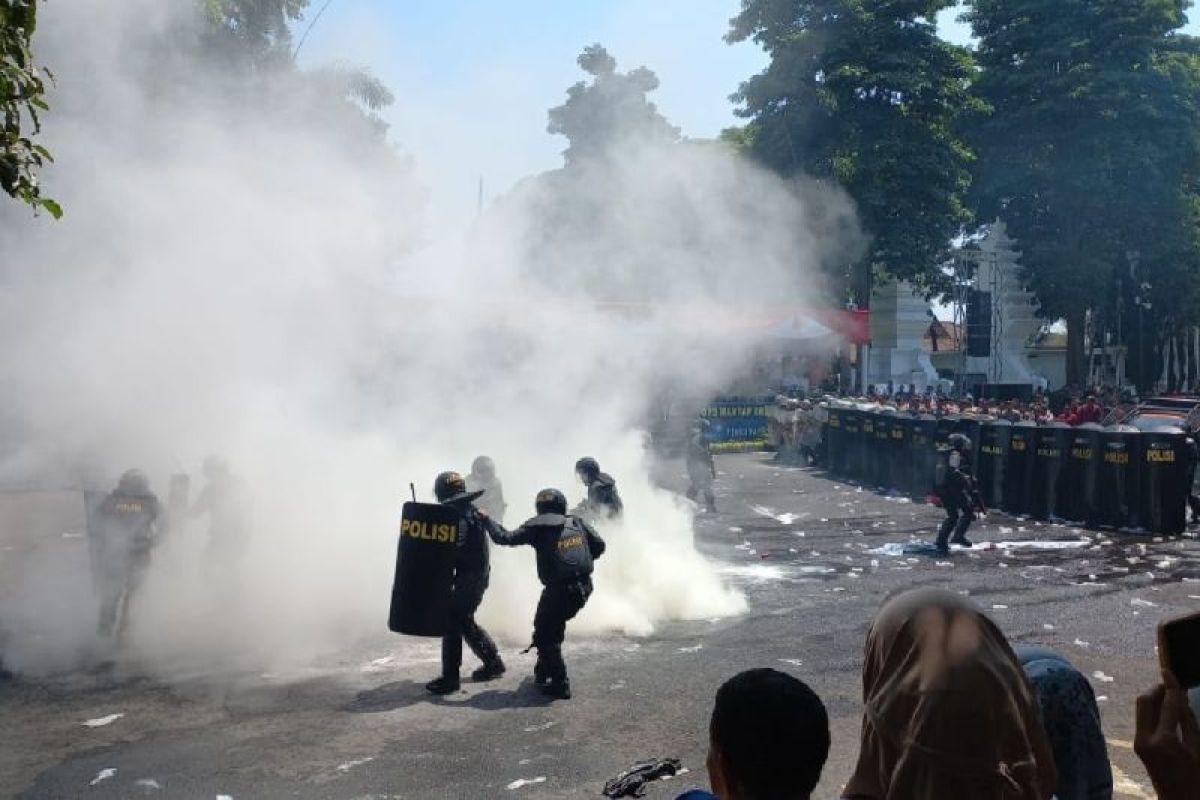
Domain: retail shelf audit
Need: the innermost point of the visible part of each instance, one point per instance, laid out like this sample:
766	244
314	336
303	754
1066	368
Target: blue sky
473	79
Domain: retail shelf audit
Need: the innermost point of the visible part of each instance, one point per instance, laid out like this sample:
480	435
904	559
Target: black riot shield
852	441
1164	481
424	570
1018	469
1077	484
1053	442
995	437
835	453
901	453
970	427
866	448
924	460
1118	489
881	451
945	427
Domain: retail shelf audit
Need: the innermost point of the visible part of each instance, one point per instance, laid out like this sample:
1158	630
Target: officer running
602	501
960	498
566	548
482	478
471	574
701	469
126	525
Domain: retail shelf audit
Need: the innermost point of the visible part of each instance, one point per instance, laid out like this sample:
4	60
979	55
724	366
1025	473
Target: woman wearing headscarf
1071	720
948	711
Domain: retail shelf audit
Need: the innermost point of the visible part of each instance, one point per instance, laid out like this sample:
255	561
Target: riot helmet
551	501
959	441
450	487
587	468
483	468
134	481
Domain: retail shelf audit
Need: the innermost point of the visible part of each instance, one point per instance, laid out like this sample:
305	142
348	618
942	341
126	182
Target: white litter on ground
349	765
694	649
1137	601
735	530
998	607
535	728
1100	676
100	722
795	662
1082	643
1047	626
103	775
147	783
816	570
786	518
756	573
517	784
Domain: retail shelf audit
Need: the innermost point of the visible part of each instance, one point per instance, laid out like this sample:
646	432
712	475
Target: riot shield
866	448
1164	480
945	427
831	441
924	461
1018	469
1077	484
1118	487
995	437
851	435
1053	442
902	453
421	591
881	451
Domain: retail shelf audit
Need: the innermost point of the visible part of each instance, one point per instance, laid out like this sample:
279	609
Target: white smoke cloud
241	272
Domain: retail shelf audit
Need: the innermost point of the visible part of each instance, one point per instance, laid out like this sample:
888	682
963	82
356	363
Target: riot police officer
566	548
602	501
1193	501
701	469
471	575
960	498
482	478
125	527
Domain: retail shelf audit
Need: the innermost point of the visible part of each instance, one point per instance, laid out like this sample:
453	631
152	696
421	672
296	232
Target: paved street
815	557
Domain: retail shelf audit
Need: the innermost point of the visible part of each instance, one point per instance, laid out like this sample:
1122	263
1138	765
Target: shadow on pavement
402	694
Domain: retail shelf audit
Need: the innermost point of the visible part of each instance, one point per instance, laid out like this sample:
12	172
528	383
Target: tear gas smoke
242	270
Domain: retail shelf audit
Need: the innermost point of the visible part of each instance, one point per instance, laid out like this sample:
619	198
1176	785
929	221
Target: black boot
559	689
540	674
444	685
489	671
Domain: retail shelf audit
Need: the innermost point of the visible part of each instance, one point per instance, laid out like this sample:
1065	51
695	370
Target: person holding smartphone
1168	737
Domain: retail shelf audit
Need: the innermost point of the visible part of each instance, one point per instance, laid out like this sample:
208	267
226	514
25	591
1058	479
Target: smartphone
1179	649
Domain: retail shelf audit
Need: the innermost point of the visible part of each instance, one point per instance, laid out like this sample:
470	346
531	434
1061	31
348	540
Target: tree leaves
22	91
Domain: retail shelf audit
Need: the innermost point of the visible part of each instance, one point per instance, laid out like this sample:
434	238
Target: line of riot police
1116	477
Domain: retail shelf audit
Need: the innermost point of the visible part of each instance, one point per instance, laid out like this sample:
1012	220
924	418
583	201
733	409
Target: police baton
412	487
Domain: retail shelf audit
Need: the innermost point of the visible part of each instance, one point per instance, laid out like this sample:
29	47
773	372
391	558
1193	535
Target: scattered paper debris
103	775
999	607
1047	626
1137	601
695	649
517	784
147	783
100	722
349	765
795	662
1082	643
1100	676
543	727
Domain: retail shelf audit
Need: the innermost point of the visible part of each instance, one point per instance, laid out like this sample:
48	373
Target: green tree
600	116
22	99
257	31
1090	153
865	94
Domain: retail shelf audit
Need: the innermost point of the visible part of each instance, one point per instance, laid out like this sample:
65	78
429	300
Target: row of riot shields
1100	477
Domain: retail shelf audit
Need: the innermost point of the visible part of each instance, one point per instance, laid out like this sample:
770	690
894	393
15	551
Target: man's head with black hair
768	738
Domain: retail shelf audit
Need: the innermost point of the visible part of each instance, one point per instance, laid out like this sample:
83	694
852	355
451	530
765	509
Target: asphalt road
801	547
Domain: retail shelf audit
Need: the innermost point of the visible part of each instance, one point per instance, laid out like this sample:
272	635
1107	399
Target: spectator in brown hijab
949	713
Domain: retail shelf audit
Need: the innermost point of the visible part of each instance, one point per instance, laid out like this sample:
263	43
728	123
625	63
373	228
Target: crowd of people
951	710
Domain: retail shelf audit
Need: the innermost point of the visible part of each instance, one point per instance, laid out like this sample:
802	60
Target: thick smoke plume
243	271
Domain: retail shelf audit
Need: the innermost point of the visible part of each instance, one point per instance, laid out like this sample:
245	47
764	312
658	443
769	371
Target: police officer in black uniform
124	529
566	548
471	575
602	501
960	498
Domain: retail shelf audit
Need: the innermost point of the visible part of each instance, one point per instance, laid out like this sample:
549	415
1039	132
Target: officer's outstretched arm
595	543
499	535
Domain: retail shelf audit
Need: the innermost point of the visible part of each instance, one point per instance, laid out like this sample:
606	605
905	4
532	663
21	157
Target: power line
308	30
